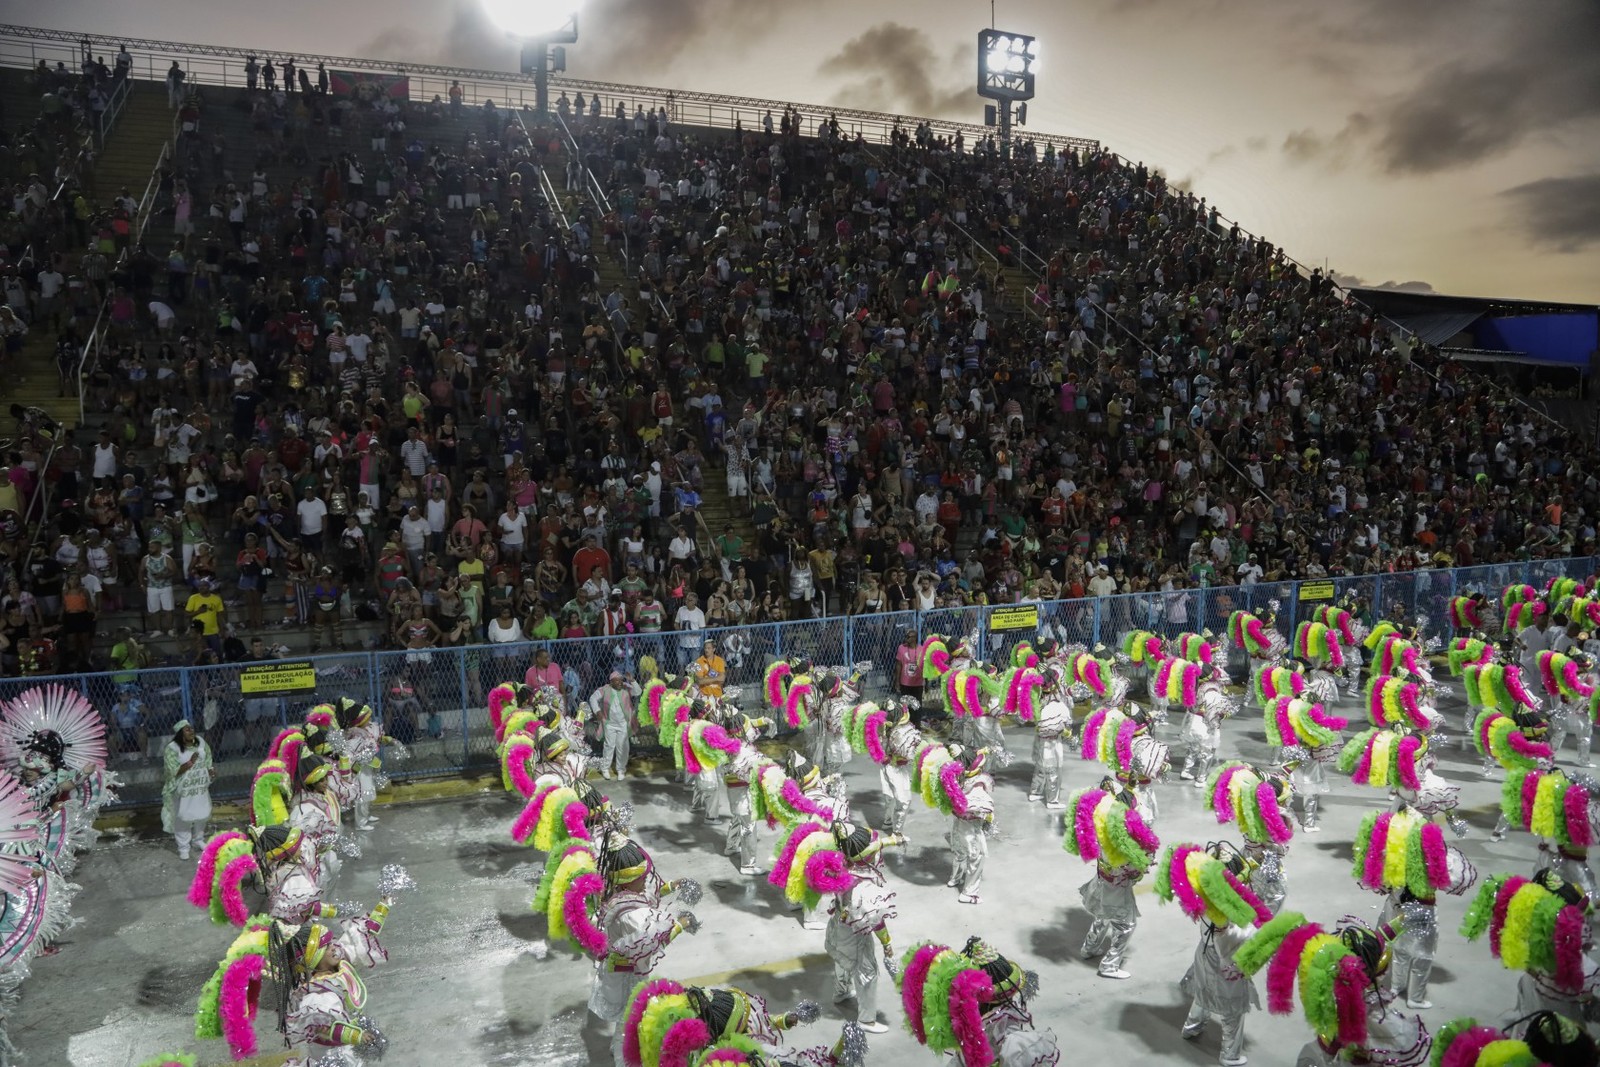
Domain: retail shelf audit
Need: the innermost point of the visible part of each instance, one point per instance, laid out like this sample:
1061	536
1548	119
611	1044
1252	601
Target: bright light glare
1033	47
530	18
1033	66
996	62
1002	44
1016	65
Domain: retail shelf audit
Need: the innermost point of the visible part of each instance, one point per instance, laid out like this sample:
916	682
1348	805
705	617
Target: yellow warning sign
1314	591
268	679
1021	617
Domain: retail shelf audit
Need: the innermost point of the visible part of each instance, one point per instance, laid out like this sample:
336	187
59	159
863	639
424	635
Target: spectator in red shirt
590	556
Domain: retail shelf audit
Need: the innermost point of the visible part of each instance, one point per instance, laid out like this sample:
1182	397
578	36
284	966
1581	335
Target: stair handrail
40	496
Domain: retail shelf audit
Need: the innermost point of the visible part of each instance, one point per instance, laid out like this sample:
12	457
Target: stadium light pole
543	26
1007	66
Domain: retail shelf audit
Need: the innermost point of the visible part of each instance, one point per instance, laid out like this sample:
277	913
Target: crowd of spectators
396	390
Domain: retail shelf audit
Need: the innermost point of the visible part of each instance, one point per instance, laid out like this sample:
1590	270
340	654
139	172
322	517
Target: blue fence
434	699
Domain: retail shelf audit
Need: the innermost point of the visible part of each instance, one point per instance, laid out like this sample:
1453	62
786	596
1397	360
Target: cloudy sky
1451	143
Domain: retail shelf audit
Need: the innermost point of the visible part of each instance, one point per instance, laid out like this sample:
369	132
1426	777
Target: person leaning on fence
613	707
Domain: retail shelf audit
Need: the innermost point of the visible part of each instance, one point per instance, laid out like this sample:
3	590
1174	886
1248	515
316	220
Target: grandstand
957	380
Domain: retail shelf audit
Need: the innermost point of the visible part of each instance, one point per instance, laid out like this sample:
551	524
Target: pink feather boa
1092	678
587	887
1576	805
1468	1045
911	985
1372	867
719	739
939	657
1514	686
793	703
1435	856
517	761
950	781
523	828
1124	744
237	870
826	872
656	697
205	874
1530	792
499	697
1280	714
1191	684
774	682
1569	934
1285	966
1246	894
574	818
237	1007
1406	762
802	803
683	1039
1536	750
1178	877
1335	651
872	734
1222	797
630	1028
971	989
1090	747
1083	825
691	762
1349	995
1363	772
1319	715
1271	816
779	875
1141	833
1502	904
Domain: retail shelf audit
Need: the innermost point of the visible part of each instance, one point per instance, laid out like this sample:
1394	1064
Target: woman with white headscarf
186	786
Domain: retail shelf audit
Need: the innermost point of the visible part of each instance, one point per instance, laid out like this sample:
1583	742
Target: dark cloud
1353	281
891	67
1559	213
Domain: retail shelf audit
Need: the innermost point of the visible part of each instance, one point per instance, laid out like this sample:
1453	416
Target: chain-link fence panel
1131	611
877	639
421	697
1072	622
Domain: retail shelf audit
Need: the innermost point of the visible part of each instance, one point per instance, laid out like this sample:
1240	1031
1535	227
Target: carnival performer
831	750
638	922
710	796
894	770
1546	1038
1404	856
1202	727
942	989
1309	740
1562	812
186	788
1105	828
1208	884
663	1014
858	917
1338	972
1257	803
276	858
739	840
1257	637
613	705
1539	926
974	822
1568	679
1051	729
364	741
315	811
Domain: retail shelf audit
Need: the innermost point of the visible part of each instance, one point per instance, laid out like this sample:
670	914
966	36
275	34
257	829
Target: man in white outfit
613	706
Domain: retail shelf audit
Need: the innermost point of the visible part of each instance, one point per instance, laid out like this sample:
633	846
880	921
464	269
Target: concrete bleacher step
31	379
130	153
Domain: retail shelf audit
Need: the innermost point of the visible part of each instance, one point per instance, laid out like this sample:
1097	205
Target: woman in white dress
186	787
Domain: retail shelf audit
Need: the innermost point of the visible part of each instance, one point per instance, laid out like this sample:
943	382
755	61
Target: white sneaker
952	883
1186	774
1419	1005
183	855
969	898
1116	973
1313	828
1199	783
1239	1062
1034	798
606	774
874	1026
1055	805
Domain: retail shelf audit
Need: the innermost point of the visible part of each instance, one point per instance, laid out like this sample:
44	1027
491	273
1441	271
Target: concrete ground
462	987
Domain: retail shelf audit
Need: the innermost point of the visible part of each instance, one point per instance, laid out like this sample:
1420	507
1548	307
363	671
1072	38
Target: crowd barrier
434	699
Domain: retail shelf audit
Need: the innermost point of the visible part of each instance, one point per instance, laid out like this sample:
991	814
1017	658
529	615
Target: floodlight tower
544	27
1007	65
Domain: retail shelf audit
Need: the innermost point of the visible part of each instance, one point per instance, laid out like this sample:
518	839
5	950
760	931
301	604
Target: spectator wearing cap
613	705
206	610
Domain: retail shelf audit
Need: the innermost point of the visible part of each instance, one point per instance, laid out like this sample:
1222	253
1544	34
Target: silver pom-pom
891	964
397	752
394	880
539	950
688	892
1002	757
807	1011
689	922
373	1044
347	908
338	744
1030	985
622	816
347	846
343	1056
380	781
852	1046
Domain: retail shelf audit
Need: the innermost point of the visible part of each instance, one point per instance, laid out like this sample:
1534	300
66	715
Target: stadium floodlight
551	21
1007	63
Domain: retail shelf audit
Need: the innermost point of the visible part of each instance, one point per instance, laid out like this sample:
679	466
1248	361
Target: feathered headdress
797	700
1517	593
218	885
1334	972
1398	655
1384	759
706	745
1178	680
1463	1043
1315	642
1562	678
1498	737
935	658
502	700
1403	851
1021	686
1467	652
1207	887
1197	648
945	994
1466	613
1524	613
1087	670
1272	681
1497	685
1292	721
1236	793
553	816
20	836
1141	646
1122	743
1104	829
661	1027
1396	702
1023	655
229	999
1562	588
1535	927
1337	619
1248	632
866	728
965	691
778	798
1548	804
52	725
568	895
808	864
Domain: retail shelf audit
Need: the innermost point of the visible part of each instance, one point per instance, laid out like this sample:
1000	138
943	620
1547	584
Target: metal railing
433	699
225	65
